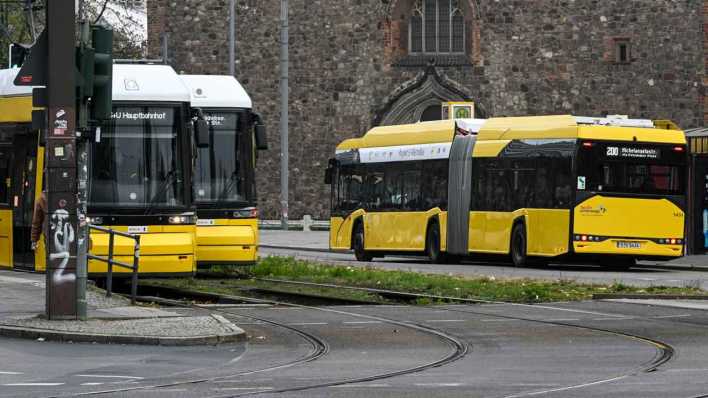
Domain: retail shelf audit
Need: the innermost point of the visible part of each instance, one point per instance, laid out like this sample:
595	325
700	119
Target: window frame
419	11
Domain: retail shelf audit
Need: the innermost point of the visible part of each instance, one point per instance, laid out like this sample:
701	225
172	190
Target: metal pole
62	192
109	273
284	89
136	264
232	38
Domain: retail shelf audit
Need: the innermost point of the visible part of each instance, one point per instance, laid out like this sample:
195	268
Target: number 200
612	151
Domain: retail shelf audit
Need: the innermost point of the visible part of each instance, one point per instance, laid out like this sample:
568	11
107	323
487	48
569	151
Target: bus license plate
628	245
134	229
203	222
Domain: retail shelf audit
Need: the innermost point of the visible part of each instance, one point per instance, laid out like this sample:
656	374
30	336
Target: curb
305	249
236	335
615	296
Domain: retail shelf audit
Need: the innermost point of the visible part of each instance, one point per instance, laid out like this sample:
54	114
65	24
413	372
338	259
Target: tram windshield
137	162
218	177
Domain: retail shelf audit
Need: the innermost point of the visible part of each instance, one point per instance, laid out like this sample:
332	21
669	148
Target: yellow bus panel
632	134
547	232
341	231
647	248
6	238
156	265
629	217
489	149
398	231
529	127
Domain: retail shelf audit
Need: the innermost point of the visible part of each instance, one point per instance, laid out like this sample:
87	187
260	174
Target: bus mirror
201	128
261	138
328	176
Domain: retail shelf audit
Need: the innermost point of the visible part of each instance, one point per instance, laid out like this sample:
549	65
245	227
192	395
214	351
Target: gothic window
437	27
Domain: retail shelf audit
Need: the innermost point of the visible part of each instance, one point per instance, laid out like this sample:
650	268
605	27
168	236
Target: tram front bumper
166	253
227	244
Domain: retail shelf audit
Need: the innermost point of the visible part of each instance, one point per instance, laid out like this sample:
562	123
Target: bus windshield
136	164
632	168
218	178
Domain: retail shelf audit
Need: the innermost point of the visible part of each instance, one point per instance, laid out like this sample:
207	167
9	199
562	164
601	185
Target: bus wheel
432	245
518	245
358	245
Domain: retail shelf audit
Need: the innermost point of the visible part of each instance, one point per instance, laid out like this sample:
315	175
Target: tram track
664	351
458	349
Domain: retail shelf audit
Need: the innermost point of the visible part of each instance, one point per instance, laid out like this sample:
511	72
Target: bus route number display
633	153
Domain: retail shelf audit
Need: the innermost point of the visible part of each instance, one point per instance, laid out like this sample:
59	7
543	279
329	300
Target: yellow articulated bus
535	189
224	179
139	173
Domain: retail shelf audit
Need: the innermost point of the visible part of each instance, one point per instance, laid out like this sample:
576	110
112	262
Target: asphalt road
644	275
586	349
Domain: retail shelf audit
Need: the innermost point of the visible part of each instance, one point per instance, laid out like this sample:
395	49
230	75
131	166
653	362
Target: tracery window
437	27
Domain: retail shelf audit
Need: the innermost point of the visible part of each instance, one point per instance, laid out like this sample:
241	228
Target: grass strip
231	281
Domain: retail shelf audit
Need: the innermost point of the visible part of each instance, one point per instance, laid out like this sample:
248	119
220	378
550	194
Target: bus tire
517	249
432	245
358	244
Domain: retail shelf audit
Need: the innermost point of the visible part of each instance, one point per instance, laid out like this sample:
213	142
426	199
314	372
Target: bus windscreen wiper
169	180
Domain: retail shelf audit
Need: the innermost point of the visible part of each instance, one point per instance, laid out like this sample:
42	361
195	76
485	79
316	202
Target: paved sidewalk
111	320
296	240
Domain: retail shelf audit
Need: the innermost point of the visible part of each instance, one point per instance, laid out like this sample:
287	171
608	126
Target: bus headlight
250	212
95	220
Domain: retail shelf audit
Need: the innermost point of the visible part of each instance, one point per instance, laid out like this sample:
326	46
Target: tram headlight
250	212
180	220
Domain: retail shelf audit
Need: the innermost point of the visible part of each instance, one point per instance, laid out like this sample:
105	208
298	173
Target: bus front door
22	201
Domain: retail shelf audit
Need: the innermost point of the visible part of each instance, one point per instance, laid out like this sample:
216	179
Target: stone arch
410	100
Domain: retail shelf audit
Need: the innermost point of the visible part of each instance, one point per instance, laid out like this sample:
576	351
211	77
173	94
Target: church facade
355	64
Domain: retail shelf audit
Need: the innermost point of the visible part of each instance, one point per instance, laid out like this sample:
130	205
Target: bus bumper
647	248
227	244
166	253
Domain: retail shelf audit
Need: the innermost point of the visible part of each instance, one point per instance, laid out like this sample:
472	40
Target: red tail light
679	149
588	144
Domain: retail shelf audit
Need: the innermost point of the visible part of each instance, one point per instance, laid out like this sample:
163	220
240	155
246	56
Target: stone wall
349	67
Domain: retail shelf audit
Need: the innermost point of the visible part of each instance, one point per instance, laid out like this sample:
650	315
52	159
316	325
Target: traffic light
102	103
18	54
94	62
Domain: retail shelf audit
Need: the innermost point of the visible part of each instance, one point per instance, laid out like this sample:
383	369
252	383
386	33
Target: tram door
5	209
23	191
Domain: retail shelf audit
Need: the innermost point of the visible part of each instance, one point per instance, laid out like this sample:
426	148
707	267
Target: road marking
446	320
361	322
561	320
438	384
501	320
671	316
362	386
307	324
91	384
530	394
243	388
612	319
11	373
112	377
33	384
686	370
568	310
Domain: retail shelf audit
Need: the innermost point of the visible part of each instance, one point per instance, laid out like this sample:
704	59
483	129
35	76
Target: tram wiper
228	188
170	178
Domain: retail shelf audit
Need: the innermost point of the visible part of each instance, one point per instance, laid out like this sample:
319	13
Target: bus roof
145	82
216	91
509	128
